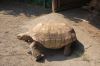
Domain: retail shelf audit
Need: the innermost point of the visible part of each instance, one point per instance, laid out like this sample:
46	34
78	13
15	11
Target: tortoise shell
53	34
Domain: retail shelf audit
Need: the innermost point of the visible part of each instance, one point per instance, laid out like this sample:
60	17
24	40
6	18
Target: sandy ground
14	52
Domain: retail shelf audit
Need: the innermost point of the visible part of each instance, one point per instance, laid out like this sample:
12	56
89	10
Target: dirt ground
13	52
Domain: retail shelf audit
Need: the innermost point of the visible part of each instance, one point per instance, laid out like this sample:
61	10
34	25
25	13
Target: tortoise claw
39	57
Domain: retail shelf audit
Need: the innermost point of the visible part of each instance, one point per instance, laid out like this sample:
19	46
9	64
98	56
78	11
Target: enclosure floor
13	52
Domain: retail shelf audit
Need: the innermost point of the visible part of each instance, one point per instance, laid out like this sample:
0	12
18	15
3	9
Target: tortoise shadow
57	55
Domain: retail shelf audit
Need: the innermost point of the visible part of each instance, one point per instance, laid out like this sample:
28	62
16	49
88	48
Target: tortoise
50	35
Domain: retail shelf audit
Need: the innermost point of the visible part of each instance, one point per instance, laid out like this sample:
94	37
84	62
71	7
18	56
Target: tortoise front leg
35	51
67	50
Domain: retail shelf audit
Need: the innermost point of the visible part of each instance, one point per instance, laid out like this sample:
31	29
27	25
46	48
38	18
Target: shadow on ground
17	9
77	15
57	55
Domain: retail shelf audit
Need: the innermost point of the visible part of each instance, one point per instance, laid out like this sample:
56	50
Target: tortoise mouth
19	37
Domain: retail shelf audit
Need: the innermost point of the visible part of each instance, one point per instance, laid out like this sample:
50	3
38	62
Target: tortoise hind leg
67	50
35	51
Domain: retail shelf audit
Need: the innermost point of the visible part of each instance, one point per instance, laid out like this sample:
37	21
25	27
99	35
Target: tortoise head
25	38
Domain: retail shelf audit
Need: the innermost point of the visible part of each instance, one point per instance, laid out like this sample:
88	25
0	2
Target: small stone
7	32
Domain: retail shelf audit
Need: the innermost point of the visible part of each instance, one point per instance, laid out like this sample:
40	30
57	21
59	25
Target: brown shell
53	34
